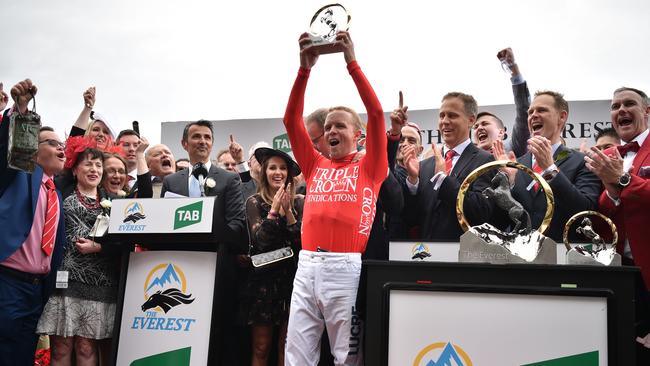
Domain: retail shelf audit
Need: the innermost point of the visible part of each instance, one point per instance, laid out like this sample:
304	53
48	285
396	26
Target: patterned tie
630	146
449	156
538	170
47	243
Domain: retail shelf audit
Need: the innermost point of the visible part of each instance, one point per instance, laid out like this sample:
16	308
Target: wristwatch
624	180
550	174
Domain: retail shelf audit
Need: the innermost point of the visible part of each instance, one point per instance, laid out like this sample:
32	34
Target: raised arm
376	135
300	142
520	133
89	102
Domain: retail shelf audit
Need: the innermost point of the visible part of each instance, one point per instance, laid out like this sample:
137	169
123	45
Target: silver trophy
522	244
597	252
326	22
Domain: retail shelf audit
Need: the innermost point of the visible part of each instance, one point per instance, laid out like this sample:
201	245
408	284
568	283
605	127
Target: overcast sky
158	60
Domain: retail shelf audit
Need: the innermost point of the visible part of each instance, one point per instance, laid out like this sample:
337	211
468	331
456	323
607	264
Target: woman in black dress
274	217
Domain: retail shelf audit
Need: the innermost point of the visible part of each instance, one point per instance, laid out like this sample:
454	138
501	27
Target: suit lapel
184	183
37	177
641	155
561	156
214	174
464	159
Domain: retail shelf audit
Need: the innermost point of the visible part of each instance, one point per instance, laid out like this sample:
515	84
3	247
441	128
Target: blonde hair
356	119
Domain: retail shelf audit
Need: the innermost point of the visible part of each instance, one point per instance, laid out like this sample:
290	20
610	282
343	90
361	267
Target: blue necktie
194	189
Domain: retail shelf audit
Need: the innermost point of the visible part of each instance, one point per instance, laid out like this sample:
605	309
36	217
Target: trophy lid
329	20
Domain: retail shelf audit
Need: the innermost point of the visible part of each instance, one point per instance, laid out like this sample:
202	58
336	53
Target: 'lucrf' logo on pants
356	327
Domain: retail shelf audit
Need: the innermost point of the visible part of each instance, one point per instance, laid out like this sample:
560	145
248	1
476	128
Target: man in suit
433	183
574	187
32	237
624	172
160	160
203	178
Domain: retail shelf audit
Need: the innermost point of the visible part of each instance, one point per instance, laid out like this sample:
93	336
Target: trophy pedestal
323	46
532	248
607	257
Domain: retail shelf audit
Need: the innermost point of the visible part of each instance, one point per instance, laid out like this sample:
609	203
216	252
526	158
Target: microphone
200	173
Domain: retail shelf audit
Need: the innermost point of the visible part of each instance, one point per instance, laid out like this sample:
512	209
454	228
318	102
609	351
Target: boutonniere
106	204
210	183
121	193
562	155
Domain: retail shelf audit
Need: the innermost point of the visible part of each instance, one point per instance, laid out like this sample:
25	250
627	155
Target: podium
167	295
424	313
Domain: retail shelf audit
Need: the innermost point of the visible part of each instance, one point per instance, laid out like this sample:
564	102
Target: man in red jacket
624	171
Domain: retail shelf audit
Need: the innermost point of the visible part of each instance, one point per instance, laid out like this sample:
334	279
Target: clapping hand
499	153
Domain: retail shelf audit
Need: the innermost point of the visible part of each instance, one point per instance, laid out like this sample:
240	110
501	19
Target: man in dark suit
432	185
203	178
574	187
32	236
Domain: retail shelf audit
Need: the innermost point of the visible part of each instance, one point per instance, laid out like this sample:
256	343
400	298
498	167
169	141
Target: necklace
87	201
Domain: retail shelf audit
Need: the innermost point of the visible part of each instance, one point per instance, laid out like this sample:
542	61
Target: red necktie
449	156
538	170
630	146
47	244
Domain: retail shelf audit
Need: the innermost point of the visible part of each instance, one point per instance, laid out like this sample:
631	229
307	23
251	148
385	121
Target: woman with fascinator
78	316
274	216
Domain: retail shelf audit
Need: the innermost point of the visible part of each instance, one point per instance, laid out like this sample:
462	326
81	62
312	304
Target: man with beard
161	163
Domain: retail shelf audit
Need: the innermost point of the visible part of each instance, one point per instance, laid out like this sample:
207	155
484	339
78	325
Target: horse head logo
167	299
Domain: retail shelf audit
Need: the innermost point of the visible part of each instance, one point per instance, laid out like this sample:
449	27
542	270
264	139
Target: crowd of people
344	197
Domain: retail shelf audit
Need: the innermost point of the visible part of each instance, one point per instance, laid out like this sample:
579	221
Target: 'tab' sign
188	215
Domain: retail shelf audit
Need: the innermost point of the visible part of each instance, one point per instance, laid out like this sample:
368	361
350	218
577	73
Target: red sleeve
301	145
606	206
376	159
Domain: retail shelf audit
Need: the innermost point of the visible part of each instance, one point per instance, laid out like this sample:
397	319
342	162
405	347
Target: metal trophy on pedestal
597	253
23	139
522	243
326	22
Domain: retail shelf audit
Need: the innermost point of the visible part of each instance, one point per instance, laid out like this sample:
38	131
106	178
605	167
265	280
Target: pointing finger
401	99
232	139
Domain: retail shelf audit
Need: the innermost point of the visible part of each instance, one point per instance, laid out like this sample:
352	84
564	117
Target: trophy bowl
523	244
326	22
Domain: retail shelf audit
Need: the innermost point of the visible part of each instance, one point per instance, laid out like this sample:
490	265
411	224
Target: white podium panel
161	216
472	328
167	308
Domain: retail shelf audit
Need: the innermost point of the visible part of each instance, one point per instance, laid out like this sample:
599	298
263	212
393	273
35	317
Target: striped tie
449	159
537	169
47	244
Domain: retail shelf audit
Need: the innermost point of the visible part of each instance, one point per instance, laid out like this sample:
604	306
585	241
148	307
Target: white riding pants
324	295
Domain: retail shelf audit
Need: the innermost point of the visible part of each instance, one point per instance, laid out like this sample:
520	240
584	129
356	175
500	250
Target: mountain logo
281	142
442	354
420	251
134	212
165	287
